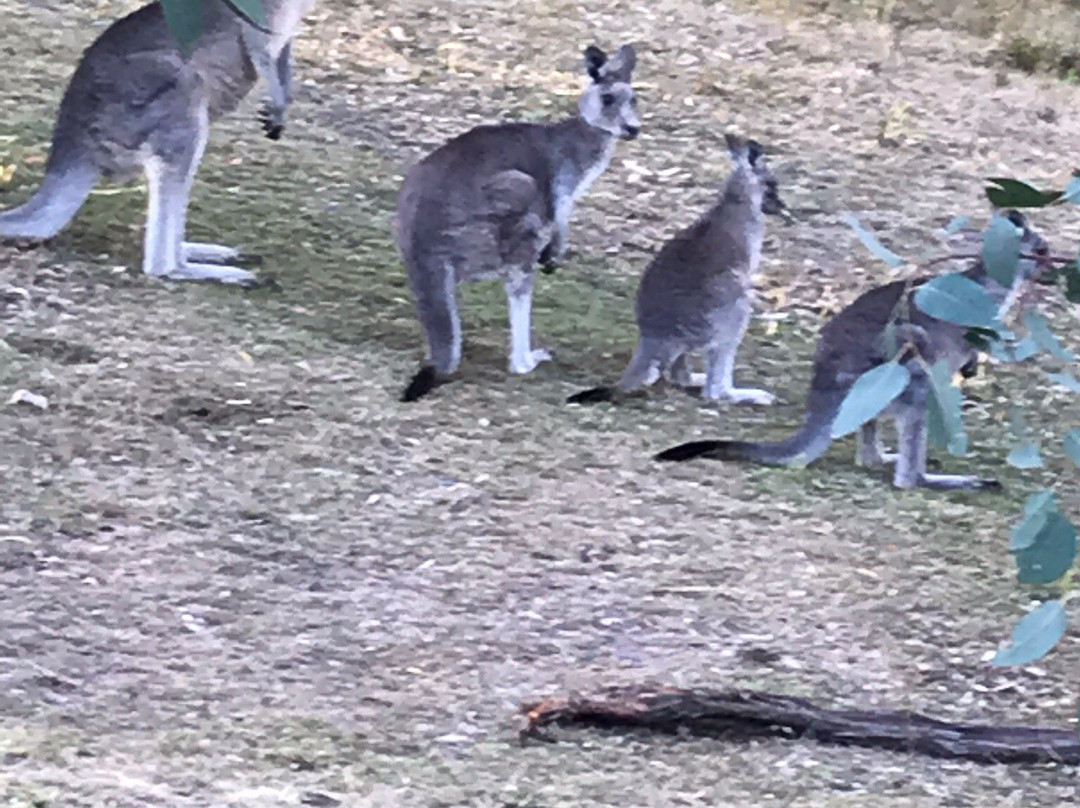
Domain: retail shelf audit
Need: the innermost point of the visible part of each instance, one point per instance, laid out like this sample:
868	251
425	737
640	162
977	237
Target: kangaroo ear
734	145
622	64
754	150
595	59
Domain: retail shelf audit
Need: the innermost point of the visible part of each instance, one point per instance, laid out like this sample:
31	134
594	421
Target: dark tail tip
689	451
596	395
426	380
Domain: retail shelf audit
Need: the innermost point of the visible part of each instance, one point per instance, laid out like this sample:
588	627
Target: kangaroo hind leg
170	174
523	357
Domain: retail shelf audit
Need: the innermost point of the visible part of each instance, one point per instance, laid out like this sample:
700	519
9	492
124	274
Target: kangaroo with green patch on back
852	343
135	104
697	294
495	202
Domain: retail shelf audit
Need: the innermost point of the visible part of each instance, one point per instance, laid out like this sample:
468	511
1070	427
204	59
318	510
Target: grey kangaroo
135	104
853	342
495	202
697	294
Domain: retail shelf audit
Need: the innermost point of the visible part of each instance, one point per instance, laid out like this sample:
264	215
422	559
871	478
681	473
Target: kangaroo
496	201
136	104
855	341
697	293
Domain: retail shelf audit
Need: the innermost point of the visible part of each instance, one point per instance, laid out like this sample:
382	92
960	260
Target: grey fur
135	105
495	201
697	294
853	342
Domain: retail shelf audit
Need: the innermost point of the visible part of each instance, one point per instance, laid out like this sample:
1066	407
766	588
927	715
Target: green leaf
1072	191
1051	554
184	19
944	411
1010	193
1042	501
955	298
1039	329
870	241
1001	250
1025	456
250	10
1034	635
869	396
1066	380
1072	446
957	224
1072	282
1037	510
1014	351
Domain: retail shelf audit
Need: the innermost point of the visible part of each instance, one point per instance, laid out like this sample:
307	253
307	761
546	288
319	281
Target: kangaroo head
608	103
753	174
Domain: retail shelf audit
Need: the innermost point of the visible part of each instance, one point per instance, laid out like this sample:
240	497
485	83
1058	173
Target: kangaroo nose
631	132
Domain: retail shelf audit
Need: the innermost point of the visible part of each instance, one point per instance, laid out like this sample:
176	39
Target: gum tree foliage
1044	539
184	17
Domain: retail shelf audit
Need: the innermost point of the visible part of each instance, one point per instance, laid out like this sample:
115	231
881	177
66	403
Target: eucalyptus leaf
1039	329
1025	455
1034	635
957	299
1072	282
1051	554
1037	510
1072	446
1015	350
252	11
1042	501
184	20
870	241
869	396
1072	191
944	411
957	224
1001	250
1010	193
1066	380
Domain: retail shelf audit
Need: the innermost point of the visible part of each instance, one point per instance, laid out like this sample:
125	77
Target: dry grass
234	571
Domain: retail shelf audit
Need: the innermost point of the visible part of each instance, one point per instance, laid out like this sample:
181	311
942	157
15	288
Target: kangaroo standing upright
135	104
853	342
496	201
697	294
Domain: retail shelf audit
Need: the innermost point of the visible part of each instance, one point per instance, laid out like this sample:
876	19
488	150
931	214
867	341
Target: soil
235	571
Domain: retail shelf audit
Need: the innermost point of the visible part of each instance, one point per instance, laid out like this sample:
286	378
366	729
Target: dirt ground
234	571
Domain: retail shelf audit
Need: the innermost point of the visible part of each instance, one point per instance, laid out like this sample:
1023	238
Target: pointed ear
754	150
622	64
595	59
734	145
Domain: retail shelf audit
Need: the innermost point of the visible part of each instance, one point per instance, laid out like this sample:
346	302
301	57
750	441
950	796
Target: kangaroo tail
47	212
425	380
805	446
780	453
595	395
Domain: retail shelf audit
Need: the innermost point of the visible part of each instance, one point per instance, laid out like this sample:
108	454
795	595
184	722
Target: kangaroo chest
572	182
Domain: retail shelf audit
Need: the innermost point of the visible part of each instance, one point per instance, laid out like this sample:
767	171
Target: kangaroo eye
607	99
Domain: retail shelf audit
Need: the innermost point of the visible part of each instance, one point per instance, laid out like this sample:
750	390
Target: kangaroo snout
630	132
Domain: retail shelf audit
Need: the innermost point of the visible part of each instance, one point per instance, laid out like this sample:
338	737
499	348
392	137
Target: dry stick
743	714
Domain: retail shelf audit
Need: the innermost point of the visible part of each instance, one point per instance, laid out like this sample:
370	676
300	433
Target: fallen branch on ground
741	714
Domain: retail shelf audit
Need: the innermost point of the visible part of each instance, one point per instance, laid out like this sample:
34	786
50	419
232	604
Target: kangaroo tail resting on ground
808	444
594	395
425	380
